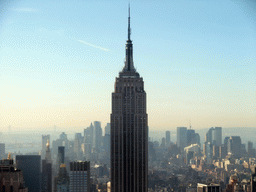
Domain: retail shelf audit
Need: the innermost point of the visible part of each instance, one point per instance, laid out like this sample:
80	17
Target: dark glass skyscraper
30	165
129	129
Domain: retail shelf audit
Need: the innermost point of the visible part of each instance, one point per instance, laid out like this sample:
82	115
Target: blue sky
59	60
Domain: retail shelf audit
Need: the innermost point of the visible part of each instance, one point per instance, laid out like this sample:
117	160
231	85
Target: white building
193	147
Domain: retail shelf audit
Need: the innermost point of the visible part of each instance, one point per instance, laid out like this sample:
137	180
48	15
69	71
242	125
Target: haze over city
59	60
89	105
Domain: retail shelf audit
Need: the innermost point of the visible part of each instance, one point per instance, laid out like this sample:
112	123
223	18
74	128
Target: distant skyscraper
208	136
2	150
168	138
197	138
88	134
62	141
163	143
61	182
182	137
208	152
11	178
63	136
191	137
45	138
129	129
234	146
61	156
107	129
86	149
216	151
217	136
30	165
214	136
79	176
77	145
250	150
224	151
47	170
97	136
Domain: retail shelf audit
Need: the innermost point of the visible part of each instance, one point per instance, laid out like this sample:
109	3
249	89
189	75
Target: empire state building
129	129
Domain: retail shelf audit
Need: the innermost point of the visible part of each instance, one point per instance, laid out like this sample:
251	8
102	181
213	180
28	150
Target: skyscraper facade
234	146
182	137
214	136
45	138
253	180
11	178
61	156
107	129
30	165
97	136
88	134
79	176
209	134
77	145
191	137
2	150
61	182
47	170
129	129
168	138
250	150
217	137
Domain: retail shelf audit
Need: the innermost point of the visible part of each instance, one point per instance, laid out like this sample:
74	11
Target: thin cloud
24	9
95	46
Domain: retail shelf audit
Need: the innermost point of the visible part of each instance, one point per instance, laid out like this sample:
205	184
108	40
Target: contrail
95	46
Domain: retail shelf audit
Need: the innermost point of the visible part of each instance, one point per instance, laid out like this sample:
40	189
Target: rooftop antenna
129	28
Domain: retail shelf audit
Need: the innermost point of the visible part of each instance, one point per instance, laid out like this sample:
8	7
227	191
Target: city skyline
196	57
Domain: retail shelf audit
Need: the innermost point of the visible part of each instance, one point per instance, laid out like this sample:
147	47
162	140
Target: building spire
48	152
9	156
128	55
129	28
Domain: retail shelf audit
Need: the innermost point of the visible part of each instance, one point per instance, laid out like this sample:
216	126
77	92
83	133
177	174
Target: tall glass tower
129	129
